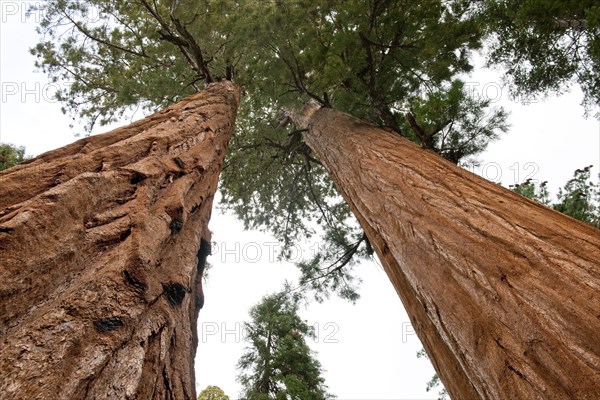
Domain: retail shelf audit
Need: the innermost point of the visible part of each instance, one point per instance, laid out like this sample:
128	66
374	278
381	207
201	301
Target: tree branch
89	35
187	45
344	259
194	48
417	129
370	84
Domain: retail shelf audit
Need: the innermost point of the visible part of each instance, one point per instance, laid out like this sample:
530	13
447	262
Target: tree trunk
266	378
103	243
503	292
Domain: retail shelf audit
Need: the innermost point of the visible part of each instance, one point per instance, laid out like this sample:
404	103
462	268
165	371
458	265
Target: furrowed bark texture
503	292
102	247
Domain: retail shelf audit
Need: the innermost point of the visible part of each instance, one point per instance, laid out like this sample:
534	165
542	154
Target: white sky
367	349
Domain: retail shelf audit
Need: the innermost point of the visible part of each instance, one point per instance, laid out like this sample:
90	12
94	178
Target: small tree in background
435	381
533	191
11	155
278	364
578	198
213	393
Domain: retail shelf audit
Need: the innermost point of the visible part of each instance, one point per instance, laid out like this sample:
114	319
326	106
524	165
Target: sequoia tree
103	245
501	290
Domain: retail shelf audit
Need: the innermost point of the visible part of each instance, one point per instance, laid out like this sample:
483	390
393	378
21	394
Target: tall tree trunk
503	292
103	243
266	377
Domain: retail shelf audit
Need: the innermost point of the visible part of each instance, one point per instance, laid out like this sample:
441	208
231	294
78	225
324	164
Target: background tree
278	364
434	382
534	191
213	393
578	198
11	155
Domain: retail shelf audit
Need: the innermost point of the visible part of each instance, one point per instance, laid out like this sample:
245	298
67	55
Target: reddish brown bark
503	292
102	244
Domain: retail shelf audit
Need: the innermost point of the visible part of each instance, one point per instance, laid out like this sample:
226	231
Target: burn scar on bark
203	252
175	226
133	280
179	162
175	293
137	177
195	208
108	324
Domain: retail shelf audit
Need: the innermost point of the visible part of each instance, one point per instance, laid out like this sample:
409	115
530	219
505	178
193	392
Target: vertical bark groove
99	242
503	292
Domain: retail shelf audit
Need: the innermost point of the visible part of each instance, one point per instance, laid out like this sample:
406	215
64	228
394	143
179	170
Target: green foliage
533	191
278	364
11	155
453	123
371	62
110	55
579	198
546	45
213	393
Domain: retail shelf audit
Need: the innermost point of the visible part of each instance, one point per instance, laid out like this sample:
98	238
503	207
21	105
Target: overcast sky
368	349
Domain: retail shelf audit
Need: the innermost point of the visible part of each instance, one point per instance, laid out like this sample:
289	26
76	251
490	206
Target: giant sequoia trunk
503	292
102	247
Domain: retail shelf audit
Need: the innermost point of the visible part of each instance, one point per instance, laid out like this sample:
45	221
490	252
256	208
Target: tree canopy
397	64
277	363
545	46
212	393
